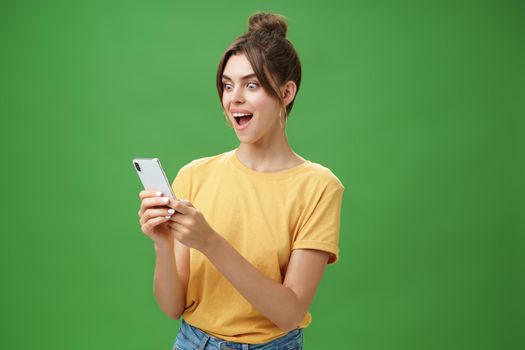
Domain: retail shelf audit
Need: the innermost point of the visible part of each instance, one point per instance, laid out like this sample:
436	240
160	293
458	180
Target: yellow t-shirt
264	216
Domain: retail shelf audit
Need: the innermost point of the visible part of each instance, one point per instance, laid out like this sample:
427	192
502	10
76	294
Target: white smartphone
152	176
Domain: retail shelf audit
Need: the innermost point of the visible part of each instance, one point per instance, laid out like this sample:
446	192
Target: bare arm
172	266
284	304
170	280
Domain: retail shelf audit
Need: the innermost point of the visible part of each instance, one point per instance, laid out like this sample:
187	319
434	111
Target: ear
288	92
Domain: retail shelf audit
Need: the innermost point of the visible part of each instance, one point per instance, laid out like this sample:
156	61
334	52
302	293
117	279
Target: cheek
265	105
257	101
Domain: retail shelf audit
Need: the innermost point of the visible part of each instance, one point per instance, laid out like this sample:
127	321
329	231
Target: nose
236	96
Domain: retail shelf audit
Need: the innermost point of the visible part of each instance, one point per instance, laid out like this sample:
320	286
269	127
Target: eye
255	85
226	86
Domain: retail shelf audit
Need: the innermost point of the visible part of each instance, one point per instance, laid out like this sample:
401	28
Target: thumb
186	202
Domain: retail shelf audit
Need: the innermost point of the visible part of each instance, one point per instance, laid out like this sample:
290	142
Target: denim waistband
201	340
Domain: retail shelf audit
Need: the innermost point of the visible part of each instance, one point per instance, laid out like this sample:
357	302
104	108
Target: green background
417	107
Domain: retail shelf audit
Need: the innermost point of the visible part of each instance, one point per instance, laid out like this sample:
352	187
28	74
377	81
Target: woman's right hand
154	216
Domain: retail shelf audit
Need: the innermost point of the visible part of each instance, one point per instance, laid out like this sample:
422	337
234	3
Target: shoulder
322	176
205	163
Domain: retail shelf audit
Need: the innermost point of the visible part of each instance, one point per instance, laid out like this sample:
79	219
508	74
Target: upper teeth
235	114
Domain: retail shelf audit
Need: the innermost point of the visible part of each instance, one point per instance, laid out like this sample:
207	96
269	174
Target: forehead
237	66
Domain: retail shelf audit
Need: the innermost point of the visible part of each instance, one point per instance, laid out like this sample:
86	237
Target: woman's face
242	93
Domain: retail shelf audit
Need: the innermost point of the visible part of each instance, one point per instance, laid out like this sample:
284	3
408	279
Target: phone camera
137	166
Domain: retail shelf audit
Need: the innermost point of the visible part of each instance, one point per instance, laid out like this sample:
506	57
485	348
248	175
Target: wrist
164	246
213	242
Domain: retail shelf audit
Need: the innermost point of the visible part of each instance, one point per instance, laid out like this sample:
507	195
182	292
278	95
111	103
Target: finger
145	194
154	213
175	226
180	206
180	219
187	202
153	222
151	202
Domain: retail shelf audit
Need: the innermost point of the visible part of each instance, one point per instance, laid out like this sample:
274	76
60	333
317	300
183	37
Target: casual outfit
192	338
264	216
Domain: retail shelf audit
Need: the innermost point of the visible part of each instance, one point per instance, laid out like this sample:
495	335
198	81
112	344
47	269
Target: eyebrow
243	78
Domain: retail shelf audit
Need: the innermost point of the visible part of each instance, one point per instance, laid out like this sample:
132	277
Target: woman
261	221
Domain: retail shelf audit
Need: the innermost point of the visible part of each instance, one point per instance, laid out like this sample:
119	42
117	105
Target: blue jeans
192	338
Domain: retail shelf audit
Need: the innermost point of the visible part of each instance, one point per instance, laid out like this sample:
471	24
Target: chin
247	139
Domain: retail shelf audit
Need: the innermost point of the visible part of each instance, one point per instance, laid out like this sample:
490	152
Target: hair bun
270	22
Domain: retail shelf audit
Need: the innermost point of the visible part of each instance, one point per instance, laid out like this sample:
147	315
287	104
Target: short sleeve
321	229
182	184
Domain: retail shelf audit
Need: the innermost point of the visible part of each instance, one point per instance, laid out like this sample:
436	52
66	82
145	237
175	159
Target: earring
227	120
281	118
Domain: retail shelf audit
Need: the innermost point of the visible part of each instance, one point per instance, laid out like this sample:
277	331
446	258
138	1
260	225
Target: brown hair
271	55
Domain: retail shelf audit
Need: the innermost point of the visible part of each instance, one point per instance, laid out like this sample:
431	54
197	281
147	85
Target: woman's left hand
189	225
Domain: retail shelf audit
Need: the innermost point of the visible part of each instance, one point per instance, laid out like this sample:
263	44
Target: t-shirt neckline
268	175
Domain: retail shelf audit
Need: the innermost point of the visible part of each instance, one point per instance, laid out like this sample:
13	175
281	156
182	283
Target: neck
269	155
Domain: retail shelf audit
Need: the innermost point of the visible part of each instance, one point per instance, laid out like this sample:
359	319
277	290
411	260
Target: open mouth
243	120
